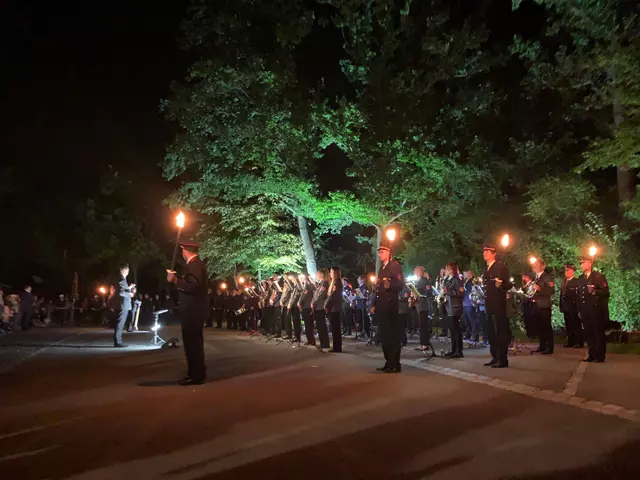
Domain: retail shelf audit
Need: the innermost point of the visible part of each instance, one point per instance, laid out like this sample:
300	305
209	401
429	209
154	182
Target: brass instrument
415	294
442	296
477	280
240	311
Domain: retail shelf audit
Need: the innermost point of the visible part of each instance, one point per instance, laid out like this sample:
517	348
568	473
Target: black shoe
333	350
119	345
191	381
382	369
393	370
491	363
185	380
568	345
598	361
500	365
537	350
578	345
129	330
547	352
589	359
457	355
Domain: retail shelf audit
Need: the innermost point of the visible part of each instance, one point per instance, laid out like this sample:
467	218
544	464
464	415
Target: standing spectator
26	308
125	305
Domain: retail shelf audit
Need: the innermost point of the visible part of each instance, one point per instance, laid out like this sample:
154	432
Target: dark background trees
298	131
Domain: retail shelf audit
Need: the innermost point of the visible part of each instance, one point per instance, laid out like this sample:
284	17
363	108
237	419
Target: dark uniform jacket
286	296
124	293
333	303
495	298
454	293
347	293
424	287
598	303
387	299
192	287
569	295
403	301
306	296
542	297
320	295
294	298
276	295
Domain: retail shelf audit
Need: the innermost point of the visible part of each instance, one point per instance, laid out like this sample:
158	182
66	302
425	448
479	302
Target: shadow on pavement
379	450
619	464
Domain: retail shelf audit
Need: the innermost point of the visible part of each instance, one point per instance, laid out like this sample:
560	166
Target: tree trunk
378	241
625	175
309	253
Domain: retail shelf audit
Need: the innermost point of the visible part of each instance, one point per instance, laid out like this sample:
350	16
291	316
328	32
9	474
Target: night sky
81	84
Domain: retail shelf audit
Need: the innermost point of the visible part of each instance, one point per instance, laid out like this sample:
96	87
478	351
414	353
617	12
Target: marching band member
543	289
319	298
362	295
423	306
569	307
593	306
454	292
347	312
442	314
333	307
496	284
469	310
306	309
527	307
403	311
285	317
294	310
385	308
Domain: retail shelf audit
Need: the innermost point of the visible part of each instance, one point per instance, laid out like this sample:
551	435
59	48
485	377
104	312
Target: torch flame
372	279
102	290
180	220
240	279
391	234
505	240
223	286
532	260
593	251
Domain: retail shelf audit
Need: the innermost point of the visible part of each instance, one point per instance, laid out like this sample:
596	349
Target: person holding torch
385	307
193	310
593	307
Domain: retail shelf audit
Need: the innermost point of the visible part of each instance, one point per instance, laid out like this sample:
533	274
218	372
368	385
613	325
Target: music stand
157	339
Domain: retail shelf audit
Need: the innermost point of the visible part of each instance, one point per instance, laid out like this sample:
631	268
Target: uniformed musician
362	309
496	283
403	312
569	307
192	311
385	308
593	307
423	306
305	307
543	288
319	299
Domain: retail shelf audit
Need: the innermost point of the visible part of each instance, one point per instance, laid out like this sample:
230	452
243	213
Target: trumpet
240	311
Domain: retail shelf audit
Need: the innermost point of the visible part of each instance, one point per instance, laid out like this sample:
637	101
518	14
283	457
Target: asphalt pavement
71	406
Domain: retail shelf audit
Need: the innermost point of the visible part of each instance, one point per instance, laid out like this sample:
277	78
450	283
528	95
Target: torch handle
175	251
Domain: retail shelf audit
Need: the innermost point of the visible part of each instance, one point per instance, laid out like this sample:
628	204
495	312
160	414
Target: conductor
192	310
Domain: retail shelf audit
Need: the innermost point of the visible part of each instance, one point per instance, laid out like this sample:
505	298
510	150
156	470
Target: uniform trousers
336	332
390	331
362	318
218	314
232	324
594	333
347	319
425	327
456	334
321	325
277	321
499	336
542	318
471	322
192	337
267	314
573	326
242	320
307	318
119	327
404	320
294	313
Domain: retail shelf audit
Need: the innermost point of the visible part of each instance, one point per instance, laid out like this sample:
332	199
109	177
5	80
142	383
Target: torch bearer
180	224
391	236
